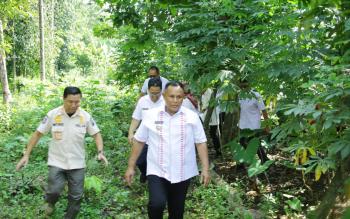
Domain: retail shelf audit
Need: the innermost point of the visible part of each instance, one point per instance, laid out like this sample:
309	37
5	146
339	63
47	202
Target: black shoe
143	178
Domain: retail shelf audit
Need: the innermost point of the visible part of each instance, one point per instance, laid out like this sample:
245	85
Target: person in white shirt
153	72
152	100
172	133
68	125
189	100
251	106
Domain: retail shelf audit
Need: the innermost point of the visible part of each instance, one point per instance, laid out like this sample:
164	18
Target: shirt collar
180	111
62	111
159	100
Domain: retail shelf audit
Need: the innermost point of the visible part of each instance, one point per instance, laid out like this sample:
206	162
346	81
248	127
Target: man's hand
101	156
205	177
23	162
129	175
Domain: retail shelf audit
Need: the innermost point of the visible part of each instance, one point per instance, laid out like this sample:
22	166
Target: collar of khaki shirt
62	111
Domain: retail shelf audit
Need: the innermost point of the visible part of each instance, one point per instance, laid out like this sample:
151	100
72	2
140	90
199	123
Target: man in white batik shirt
172	133
145	103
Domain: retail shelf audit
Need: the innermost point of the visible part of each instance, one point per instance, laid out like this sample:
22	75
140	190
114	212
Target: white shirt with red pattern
171	143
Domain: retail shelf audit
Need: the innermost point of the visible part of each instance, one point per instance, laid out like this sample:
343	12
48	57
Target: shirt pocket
57	132
80	133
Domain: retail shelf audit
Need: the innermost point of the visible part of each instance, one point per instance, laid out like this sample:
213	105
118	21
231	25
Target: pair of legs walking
162	192
56	182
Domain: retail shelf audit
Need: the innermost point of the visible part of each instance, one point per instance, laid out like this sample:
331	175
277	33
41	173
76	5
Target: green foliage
256	167
346	214
247	155
215	202
94	184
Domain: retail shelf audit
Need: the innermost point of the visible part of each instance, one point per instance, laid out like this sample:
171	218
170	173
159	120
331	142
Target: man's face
153	73
154	93
71	103
173	97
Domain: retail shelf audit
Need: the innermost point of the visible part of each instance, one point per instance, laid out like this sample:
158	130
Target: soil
280	180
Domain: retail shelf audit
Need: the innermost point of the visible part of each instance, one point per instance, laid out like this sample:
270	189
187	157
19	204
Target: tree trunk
229	126
209	110
7	97
42	48
52	38
14	59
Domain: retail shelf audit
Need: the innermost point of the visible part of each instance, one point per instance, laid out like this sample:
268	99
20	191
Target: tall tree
52	37
42	45
3	72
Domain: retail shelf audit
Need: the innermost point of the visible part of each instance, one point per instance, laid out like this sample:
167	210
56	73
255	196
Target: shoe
49	208
143	178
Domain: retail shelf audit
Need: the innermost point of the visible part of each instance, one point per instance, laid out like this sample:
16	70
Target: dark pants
142	160
214	136
56	182
244	141
161	192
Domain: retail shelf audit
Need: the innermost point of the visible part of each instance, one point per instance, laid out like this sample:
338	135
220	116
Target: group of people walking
165	134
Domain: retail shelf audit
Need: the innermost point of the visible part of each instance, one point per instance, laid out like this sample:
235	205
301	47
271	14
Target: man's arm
203	156
32	142
133	126
135	153
99	145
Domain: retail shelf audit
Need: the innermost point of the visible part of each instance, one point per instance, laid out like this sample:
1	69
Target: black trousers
213	131
161	192
142	160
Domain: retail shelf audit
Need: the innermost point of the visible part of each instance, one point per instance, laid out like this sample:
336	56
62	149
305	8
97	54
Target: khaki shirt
66	148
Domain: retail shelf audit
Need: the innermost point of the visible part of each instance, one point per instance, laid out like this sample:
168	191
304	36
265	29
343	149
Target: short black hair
174	84
154	68
155	82
71	90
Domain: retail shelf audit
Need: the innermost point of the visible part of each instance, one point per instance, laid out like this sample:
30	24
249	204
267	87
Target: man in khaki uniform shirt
68	125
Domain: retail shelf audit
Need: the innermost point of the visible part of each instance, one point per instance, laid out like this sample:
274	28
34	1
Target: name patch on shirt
158	122
58	124
145	108
80	126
